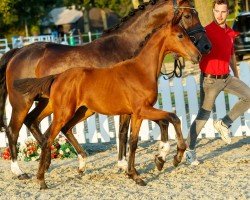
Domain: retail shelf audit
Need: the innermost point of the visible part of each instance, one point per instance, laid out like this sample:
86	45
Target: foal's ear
176	19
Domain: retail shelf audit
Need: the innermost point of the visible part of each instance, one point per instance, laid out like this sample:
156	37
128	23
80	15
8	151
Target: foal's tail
35	87
4	60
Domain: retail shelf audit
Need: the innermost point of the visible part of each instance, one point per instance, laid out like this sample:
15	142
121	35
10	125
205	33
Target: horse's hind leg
123	138
164	146
68	134
61	118
34	118
17	118
81	114
3	97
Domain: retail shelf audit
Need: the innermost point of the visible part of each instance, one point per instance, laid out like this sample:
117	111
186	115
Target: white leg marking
82	163
123	164
164	149
15	168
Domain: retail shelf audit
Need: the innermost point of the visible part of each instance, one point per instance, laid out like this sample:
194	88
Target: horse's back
29	59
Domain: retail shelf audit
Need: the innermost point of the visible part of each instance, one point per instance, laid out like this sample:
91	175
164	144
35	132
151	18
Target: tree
204	9
23	13
121	7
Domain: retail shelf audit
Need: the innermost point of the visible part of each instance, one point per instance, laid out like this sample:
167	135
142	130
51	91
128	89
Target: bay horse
42	59
128	87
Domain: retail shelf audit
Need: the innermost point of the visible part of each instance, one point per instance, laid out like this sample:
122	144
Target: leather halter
177	63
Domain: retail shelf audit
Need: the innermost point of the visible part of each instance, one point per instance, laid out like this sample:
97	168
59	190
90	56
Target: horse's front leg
164	146
181	145
156	114
123	138
133	142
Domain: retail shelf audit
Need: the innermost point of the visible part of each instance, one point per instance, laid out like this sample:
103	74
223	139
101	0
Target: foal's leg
123	138
20	109
31	120
61	117
33	125
164	146
133	142
81	114
155	114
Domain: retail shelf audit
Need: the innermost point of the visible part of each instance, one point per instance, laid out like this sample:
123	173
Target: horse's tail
35	87
4	60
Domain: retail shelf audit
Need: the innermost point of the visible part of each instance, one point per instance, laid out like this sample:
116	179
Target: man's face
220	13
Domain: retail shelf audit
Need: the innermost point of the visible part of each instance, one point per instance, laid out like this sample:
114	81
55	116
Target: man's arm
233	65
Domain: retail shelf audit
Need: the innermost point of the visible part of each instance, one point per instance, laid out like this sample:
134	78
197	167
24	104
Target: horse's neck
130	34
152	55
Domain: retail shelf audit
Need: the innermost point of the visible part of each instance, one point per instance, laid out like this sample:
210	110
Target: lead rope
178	66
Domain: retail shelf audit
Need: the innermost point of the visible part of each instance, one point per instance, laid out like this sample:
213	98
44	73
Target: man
215	78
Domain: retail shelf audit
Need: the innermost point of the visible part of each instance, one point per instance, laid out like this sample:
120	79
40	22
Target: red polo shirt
218	60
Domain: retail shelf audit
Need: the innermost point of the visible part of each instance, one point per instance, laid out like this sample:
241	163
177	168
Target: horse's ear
176	19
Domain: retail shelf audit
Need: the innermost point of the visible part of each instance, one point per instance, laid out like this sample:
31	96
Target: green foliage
17	13
121	7
14	14
35	30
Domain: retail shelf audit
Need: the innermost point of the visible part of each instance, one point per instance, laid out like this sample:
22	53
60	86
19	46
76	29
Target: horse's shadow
219	151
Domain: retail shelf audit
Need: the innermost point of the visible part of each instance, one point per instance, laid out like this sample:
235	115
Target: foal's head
179	42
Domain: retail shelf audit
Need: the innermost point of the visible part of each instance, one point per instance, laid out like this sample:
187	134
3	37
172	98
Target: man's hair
221	2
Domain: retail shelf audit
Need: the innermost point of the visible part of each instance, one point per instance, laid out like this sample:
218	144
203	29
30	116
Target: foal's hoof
43	186
23	176
175	161
140	182
159	162
80	172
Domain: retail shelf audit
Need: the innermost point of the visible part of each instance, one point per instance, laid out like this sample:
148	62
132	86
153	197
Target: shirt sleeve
233	35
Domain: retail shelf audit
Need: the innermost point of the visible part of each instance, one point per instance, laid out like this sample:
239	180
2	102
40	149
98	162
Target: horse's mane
132	13
145	41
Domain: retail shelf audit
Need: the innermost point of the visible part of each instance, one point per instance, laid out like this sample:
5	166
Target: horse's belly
108	104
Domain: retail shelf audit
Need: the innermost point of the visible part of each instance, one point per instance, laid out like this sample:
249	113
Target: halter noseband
177	7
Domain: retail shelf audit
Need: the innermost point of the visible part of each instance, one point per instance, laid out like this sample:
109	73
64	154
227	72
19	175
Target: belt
215	76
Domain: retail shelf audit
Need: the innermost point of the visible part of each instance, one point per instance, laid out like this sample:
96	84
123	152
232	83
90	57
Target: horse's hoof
140	182
23	176
175	162
43	186
159	162
80	172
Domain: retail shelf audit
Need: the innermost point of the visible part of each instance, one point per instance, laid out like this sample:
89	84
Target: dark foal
43	59
132	92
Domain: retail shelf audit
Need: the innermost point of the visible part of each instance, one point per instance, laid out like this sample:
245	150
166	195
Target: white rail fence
18	42
73	40
178	95
4	46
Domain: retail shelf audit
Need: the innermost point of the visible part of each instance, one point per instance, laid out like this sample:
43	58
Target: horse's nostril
207	47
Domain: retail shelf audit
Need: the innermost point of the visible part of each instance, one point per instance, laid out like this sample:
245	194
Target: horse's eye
180	36
187	16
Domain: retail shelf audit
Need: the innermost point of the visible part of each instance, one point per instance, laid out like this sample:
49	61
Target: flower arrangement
66	150
6	154
30	150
